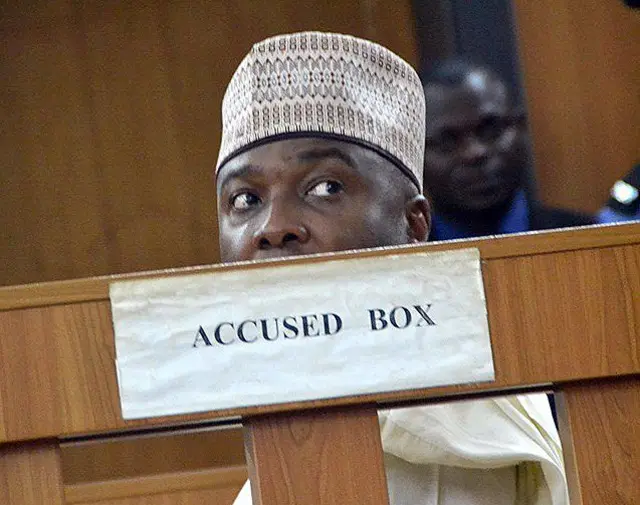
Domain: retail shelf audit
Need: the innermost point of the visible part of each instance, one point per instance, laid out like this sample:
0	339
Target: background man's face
472	160
304	196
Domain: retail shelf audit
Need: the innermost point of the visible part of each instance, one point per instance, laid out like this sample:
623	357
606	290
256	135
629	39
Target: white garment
411	484
513	431
500	451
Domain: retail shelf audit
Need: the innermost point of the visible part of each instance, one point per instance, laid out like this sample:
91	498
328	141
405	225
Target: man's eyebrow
240	172
329	152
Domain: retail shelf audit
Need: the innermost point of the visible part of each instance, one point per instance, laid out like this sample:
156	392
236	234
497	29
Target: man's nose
474	150
281	228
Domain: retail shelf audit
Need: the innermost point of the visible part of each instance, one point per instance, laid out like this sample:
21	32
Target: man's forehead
280	154
478	95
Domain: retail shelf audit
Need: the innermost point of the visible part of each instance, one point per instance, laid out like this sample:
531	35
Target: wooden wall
110	116
582	80
110	123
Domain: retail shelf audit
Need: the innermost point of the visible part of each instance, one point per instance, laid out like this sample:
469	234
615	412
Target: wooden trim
568	449
603	423
31	473
126	456
97	288
156	484
316	457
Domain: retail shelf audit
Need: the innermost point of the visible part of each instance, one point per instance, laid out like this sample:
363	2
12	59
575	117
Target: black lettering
380	317
290	326
424	315
407	317
308	325
241	334
327	326
265	330
218	337
201	334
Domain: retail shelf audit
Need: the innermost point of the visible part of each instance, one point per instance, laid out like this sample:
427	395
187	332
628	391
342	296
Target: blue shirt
514	220
608	215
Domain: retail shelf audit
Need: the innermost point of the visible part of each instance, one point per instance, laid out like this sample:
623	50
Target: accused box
563	315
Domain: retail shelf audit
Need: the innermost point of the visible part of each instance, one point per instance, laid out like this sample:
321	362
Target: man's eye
244	200
491	129
446	142
325	188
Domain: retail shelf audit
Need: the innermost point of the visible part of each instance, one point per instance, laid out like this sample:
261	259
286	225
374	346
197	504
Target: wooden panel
128	457
570	315
195	497
58	364
196	466
581	77
97	288
111	123
30	474
223	496
580	309
51	185
605	451
216	485
29	375
330	456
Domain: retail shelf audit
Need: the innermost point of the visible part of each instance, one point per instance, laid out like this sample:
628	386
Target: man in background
475	166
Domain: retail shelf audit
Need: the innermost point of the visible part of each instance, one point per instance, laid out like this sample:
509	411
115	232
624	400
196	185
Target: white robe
500	451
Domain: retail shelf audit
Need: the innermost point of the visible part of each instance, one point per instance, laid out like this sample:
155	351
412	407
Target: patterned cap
314	84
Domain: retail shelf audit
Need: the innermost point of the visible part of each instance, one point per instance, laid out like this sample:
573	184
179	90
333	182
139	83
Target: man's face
304	196
472	160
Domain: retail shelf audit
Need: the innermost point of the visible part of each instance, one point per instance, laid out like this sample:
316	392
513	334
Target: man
322	150
475	158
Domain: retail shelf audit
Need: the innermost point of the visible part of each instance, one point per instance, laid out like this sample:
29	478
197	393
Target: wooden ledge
213	478
571	239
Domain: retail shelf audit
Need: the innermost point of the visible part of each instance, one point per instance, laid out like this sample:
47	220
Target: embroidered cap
326	85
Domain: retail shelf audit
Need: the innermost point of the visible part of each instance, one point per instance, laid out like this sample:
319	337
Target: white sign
291	333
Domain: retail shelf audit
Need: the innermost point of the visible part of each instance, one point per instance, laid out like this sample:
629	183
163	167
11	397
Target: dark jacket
548	218
521	216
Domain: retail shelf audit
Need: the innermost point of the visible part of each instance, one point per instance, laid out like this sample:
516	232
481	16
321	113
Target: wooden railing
564	314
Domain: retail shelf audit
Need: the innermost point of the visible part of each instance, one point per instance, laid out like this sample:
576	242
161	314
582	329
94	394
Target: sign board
289	333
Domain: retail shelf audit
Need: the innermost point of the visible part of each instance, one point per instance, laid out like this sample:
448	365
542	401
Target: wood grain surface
132	456
180	467
97	288
557	317
316	458
603	419
218	485
581	78
111	123
30	474
564	315
553	316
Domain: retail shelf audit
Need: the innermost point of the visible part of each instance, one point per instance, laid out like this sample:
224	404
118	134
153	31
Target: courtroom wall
582	80
111	116
111	123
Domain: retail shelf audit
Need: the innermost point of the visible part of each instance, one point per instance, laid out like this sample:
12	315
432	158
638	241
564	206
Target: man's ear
418	214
